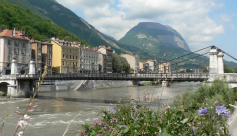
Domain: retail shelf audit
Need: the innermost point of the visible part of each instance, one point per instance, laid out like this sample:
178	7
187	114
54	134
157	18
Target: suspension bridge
17	85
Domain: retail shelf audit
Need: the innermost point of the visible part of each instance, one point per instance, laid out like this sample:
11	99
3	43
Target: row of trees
120	64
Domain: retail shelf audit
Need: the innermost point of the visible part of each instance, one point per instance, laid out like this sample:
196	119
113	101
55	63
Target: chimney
100	46
14	32
53	38
109	47
57	39
84	46
104	46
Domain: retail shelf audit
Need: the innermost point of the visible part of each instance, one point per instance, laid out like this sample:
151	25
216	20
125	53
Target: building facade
108	52
153	67
47	55
133	60
102	62
36	54
65	57
89	60
14	44
165	68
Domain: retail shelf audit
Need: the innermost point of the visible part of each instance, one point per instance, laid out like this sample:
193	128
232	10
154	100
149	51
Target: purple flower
203	111
222	111
113	110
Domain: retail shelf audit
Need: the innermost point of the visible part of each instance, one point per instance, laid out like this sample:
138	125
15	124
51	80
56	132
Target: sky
201	23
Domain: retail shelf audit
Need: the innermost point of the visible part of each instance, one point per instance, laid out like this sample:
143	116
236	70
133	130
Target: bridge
19	85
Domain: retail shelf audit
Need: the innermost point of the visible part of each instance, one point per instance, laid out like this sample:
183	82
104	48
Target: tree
120	64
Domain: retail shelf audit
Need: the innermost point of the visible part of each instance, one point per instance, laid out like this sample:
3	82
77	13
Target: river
57	109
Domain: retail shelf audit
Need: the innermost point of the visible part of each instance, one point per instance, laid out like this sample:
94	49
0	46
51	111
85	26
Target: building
133	60
102	62
14	44
165	68
36	55
47	56
65	57
108	52
89	60
152	66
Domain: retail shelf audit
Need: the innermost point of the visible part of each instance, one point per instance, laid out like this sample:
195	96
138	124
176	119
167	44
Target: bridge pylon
216	64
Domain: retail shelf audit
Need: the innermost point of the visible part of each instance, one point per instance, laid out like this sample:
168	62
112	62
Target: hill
12	16
156	39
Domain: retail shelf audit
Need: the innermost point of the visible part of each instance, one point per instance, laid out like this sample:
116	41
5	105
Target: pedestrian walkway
233	123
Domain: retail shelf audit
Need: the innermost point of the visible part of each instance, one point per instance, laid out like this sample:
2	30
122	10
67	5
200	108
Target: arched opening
3	88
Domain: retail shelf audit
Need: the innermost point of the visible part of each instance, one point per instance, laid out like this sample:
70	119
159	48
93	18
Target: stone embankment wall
62	85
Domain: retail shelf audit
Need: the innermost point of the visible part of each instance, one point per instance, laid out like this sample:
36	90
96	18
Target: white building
14	44
89	60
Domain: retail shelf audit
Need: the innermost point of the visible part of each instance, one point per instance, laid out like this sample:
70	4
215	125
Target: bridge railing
118	75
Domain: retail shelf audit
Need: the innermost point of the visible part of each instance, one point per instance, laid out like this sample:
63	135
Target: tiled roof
89	50
9	33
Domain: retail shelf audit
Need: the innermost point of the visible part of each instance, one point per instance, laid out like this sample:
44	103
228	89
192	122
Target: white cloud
225	17
189	17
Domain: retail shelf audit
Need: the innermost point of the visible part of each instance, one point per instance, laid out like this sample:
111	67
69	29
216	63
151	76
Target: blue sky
201	22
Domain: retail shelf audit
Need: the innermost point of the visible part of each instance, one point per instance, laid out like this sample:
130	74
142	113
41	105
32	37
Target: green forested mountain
156	39
13	16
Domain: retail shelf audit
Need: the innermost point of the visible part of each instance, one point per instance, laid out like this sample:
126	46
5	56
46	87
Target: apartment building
47	56
153	66
36	54
14	44
133	60
108	52
165	68
102	62
65	57
89	59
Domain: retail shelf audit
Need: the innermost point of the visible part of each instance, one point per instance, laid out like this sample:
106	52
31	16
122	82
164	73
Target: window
70	51
49	56
16	50
16	43
63	56
39	46
63	50
49	49
67	50
9	50
23	51
76	63
23	44
23	59
66	56
73	57
9	42
49	63
70	56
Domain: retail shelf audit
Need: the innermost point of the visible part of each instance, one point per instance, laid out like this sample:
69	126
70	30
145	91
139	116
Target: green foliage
13	16
217	91
120	64
194	113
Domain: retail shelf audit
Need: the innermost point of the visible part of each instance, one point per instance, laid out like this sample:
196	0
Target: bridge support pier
165	83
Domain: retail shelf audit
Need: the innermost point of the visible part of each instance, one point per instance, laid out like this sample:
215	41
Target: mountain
65	18
156	39
13	16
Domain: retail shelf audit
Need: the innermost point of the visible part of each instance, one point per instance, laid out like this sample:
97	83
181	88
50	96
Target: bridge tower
18	88
216	64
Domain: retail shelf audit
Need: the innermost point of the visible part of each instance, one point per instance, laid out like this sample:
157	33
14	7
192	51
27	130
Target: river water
57	109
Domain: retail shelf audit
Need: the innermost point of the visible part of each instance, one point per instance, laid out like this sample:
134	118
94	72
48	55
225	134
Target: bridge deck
118	76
